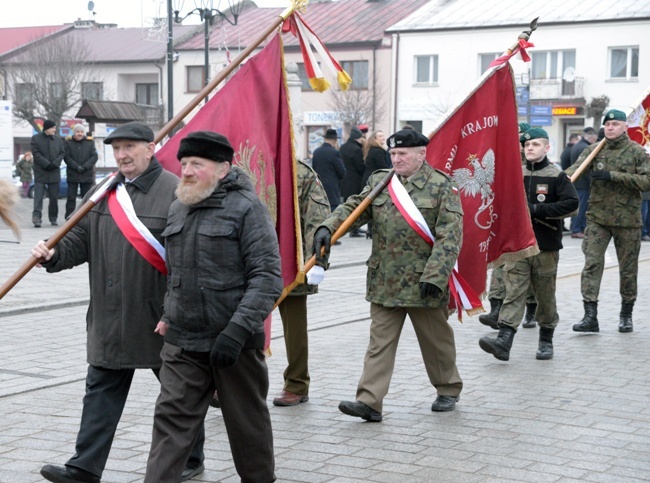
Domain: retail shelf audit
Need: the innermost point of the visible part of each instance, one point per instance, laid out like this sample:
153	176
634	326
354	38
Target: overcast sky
125	13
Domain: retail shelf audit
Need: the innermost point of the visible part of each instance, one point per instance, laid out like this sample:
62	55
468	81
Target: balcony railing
556	89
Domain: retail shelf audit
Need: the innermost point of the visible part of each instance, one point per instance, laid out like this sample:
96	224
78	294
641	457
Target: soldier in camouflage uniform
619	173
551	196
406	276
497	291
314	208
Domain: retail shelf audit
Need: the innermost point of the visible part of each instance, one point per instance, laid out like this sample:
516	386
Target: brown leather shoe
287	398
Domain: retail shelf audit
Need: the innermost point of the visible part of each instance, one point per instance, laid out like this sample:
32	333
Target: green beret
523	127
533	133
615	115
407	138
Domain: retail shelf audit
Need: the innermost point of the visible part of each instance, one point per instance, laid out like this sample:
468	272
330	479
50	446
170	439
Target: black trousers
73	188
53	207
106	393
187	383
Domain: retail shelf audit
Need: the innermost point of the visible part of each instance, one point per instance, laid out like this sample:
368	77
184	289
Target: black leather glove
80	169
429	290
228	346
601	175
322	239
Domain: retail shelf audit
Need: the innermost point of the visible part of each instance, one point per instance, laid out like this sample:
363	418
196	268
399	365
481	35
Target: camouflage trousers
498	286
540	274
627	242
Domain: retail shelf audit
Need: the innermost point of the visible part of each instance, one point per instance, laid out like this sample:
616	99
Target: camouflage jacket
400	258
314	208
617	202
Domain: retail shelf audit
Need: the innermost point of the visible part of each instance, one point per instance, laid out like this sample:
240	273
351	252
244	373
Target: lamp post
208	14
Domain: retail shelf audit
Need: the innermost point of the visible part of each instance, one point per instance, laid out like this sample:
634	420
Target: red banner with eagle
252	111
638	123
478	147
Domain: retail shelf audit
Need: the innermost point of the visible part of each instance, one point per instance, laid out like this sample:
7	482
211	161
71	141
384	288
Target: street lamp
208	14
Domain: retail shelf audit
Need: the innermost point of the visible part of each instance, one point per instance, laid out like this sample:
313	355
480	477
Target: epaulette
446	175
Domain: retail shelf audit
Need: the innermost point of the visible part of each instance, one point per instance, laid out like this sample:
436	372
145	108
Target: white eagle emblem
478	182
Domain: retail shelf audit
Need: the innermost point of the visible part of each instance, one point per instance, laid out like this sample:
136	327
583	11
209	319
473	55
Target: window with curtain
147	94
426	69
552	64
624	62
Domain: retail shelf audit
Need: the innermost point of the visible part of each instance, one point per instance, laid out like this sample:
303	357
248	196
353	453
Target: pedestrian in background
620	172
126	295
352	154
80	158
408	274
582	184
24	170
314	208
48	151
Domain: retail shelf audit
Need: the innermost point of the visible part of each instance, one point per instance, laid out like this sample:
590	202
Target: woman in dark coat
374	155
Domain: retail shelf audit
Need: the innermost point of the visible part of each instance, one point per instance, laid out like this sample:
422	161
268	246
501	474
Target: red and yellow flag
638	123
478	147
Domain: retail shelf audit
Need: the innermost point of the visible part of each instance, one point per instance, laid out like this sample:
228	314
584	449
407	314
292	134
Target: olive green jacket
617	202
400	258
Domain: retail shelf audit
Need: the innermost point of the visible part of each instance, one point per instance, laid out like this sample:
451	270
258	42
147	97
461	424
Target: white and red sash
138	235
462	295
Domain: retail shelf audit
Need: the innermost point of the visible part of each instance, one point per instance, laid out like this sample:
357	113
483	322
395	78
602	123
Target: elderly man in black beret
128	281
224	277
416	237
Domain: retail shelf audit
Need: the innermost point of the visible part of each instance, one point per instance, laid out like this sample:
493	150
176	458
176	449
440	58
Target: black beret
533	133
206	144
407	138
135	131
614	115
48	124
331	134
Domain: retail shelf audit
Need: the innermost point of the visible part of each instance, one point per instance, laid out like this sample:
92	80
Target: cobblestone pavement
582	416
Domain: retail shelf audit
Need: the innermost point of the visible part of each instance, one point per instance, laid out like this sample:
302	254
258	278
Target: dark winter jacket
126	291
328	164
224	266
584	181
48	152
352	155
80	158
375	159
551	197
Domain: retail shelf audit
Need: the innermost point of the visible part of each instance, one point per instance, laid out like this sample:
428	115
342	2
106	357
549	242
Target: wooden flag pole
88	205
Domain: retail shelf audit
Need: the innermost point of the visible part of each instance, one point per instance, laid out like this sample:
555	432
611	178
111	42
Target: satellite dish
569	74
91	6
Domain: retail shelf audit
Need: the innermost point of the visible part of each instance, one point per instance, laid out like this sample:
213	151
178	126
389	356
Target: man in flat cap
620	172
327	162
127	286
80	159
408	272
352	154
551	196
224	277
48	151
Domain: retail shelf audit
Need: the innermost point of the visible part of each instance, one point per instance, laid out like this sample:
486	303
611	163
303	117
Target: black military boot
545	347
589	322
499	347
529	319
625	318
492	319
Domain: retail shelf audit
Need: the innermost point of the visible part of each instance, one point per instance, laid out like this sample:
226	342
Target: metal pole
206	73
170	62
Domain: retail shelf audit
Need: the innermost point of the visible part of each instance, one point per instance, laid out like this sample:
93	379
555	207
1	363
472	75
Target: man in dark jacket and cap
582	184
80	158
352	154
124	306
48	152
224	277
328	164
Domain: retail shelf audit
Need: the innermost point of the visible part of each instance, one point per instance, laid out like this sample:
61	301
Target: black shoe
625	320
529	319
54	223
357	234
214	402
67	474
499	347
589	322
37	224
444	403
337	242
545	347
189	473
359	410
491	319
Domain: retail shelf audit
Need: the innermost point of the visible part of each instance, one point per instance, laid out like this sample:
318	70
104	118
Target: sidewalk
582	416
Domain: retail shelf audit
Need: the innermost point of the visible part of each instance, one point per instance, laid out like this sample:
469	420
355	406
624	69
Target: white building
582	51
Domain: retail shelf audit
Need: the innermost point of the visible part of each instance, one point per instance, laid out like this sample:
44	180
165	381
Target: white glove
315	275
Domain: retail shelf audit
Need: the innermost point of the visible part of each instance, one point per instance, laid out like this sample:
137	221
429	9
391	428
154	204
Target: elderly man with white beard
223	261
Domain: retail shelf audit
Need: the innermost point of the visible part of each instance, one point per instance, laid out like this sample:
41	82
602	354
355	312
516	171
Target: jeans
579	222
645	219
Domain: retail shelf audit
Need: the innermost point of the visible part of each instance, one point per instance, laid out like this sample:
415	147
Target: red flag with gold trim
252	111
478	147
638	124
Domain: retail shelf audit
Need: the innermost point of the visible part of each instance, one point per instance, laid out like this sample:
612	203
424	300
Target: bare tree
596	108
356	106
46	80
